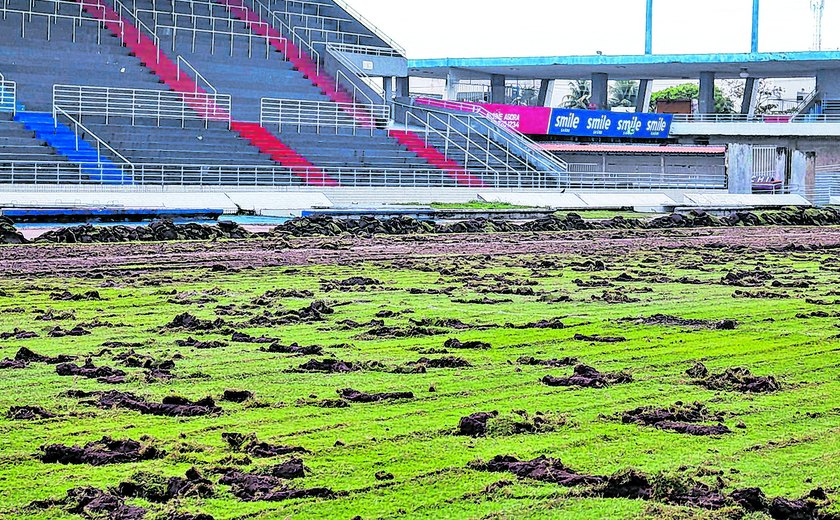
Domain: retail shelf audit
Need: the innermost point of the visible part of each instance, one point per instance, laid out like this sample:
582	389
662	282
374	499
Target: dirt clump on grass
237	396
675	321
102	374
170	406
679	418
28	413
249	487
191	342
93	503
475	425
599	339
755	278
250	445
542	468
561	362
67	296
99	453
159	489
187	322
241	337
328	366
294	348
444	362
457	344
355	396
28	356
737	379
18	334
588	377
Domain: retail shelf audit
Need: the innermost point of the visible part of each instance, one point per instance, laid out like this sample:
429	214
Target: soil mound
9	234
237	396
294	348
475	425
159	489
28	413
587	377
187	321
444	362
328	365
159	231
27	356
171	406
18	334
191	342
252	446
250	487
674	321
542	468
102	374
599	339
562	362
737	379
99	453
456	344
354	396
92	503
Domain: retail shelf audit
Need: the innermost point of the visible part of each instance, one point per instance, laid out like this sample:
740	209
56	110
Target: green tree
723	103
624	93
579	95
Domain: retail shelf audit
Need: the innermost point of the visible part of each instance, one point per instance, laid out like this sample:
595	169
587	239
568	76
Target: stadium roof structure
650	66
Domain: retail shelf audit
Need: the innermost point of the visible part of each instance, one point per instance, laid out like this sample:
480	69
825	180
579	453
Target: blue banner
596	123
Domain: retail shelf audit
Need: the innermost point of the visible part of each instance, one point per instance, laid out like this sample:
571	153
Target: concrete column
803	175
782	170
600	91
452	82
750	97
546	94
403	87
388	83
706	103
739	168
497	88
645	92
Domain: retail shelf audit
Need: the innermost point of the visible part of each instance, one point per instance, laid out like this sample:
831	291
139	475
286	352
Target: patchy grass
786	442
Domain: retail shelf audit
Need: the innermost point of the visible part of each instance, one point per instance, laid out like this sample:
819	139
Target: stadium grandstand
309	94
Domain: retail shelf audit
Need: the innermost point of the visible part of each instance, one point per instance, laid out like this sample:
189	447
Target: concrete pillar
600	91
750	97
706	104
739	168
643	98
803	175
403	87
546	94
782	170
388	83
452	83
498	83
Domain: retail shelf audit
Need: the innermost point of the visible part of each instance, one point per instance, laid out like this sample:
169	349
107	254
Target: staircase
196	97
64	141
415	144
302	61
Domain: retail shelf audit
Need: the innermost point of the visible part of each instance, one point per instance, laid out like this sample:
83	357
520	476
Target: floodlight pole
649	28
754	47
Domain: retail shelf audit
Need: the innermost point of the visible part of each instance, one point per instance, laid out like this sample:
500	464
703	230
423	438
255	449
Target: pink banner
526	120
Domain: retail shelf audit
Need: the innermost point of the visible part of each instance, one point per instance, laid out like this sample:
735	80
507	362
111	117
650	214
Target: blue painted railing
61	138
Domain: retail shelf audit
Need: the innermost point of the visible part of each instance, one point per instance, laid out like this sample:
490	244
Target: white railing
181	61
26	16
498	130
297	113
8	96
122	163
227	32
122	10
455	145
141	104
365	49
325	35
359	75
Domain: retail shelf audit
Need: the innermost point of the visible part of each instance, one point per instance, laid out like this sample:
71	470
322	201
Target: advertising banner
596	123
525	120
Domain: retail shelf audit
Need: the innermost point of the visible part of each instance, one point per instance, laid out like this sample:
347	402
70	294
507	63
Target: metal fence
141	104
8	95
77	21
320	114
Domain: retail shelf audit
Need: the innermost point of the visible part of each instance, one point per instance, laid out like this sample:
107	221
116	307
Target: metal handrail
310	30
119	7
522	143
359	73
125	163
8	96
450	142
213	32
321	114
136	104
197	74
369	50
51	21
801	107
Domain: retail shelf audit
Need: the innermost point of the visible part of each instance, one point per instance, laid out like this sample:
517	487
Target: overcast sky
495	28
